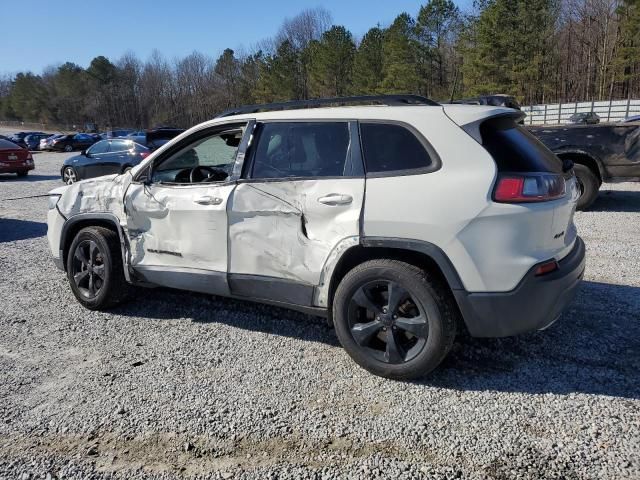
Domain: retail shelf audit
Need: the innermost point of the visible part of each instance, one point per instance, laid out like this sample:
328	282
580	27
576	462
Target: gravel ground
175	385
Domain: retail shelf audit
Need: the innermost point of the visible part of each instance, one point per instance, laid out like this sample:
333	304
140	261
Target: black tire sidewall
590	186
421	292
103	297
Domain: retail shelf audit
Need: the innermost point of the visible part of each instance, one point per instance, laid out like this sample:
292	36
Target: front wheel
23	174
95	270
68	148
69	175
393	320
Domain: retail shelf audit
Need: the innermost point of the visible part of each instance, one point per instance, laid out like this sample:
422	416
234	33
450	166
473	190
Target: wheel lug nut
395	316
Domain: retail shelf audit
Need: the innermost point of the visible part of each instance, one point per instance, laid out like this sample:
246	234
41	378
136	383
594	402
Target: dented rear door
301	196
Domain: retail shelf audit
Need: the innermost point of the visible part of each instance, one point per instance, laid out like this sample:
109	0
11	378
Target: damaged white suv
401	220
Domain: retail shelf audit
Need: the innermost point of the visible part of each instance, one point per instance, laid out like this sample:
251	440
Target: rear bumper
533	305
20	167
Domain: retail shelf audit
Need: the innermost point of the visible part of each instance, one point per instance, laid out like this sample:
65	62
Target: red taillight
547	267
144	154
529	187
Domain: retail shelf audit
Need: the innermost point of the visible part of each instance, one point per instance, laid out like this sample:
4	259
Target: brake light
144	154
547	267
529	187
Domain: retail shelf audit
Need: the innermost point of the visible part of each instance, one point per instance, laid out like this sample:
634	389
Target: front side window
301	149
208	159
391	147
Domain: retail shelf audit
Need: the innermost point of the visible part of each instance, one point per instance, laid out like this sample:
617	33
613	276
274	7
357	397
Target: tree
399	57
367	63
331	65
437	29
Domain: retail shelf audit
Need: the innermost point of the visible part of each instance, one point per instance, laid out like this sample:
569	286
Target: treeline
540	51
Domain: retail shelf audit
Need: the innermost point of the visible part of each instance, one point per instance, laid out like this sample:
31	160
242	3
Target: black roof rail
390	100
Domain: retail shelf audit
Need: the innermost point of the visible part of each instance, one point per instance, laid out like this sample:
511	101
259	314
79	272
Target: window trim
353	163
436	162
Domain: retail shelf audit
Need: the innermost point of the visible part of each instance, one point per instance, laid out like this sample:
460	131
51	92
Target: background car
69	143
139	136
103	158
32	141
15	159
584	118
45	143
157	137
120	132
633	118
18	138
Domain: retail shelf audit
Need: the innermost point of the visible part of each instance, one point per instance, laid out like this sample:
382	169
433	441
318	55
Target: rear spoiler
469	117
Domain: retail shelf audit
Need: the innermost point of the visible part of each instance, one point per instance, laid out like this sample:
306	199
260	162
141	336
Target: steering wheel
216	173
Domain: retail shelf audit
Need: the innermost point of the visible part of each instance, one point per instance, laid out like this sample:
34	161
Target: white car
401	220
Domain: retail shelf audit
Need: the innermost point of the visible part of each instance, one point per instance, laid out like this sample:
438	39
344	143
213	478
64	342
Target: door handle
336	199
208	200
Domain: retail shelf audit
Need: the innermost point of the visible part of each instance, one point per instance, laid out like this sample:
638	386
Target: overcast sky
44	32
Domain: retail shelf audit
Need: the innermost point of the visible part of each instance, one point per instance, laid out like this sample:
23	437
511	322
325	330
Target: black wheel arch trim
102	217
577	151
429	249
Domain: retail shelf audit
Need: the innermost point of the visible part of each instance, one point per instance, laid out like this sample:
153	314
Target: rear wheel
95	270
394	320
69	175
23	174
589	186
68	148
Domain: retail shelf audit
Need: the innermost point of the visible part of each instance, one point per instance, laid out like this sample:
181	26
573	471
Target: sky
48	32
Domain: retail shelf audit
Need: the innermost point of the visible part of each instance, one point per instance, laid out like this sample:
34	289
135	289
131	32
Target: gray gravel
177	385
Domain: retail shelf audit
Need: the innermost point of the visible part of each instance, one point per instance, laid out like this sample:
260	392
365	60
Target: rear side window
391	147
120	146
301	149
515	149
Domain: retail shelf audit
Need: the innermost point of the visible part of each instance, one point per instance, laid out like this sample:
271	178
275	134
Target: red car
15	159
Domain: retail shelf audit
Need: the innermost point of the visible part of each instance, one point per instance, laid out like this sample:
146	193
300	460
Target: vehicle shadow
165	303
594	348
12	229
29	178
617	201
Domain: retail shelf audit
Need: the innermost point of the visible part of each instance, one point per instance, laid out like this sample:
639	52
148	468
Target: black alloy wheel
88	269
384	319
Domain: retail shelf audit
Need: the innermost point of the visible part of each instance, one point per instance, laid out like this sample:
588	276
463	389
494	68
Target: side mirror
84	153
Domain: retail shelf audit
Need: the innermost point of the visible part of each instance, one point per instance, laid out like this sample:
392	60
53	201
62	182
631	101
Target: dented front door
178	227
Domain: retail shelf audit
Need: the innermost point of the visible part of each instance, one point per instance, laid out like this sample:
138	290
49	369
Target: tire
68	148
23	174
420	346
589	186
126	169
69	175
96	250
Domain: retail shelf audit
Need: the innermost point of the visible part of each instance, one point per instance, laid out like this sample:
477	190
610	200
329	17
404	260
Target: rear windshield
515	149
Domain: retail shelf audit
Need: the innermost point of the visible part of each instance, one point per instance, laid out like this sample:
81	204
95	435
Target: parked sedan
103	158
15	159
69	143
584	118
32	140
19	138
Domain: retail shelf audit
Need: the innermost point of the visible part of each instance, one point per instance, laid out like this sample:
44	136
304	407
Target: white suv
401	220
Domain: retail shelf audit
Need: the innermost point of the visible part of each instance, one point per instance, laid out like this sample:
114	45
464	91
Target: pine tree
399	57
331	65
367	64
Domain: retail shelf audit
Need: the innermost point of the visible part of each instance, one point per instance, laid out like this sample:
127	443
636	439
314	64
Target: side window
389	147
120	146
212	152
301	149
99	147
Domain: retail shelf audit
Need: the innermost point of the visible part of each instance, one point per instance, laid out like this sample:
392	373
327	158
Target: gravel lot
176	385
